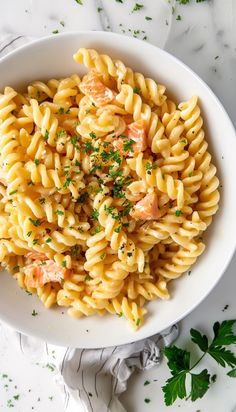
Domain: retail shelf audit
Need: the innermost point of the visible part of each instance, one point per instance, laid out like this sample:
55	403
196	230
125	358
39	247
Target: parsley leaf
200	340
178	359
199	384
175	388
232	373
79	2
35	222
222	356
223	333
179	362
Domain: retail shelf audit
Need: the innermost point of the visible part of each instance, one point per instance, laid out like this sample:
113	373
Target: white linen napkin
90	379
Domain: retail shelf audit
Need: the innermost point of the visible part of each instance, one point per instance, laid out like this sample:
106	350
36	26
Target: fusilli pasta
106	187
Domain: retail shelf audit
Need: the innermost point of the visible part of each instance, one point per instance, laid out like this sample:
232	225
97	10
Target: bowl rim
50	39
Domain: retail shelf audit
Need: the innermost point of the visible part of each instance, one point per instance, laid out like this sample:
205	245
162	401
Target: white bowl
51	58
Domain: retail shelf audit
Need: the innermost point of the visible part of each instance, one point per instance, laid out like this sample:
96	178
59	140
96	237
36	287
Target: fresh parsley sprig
180	365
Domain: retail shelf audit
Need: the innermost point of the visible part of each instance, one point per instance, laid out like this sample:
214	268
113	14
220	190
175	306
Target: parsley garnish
179	362
87	277
128	145
36	161
148	18
147	400
59	212
95	230
88	147
46	136
137	7
138	322
29	234
146	383
95	214
63	264
99	9
118	229
13	192
178	213
74	140
61	110
136	89
74	250
79	2
68	182
41	200
55	31
178	17
93	135
102	256
35	242
48	240
35	222
34	313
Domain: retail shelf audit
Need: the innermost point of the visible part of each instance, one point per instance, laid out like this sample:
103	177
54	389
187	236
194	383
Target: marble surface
204	37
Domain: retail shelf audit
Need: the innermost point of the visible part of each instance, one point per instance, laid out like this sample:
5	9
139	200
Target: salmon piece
147	208
42	271
92	87
136	132
36	256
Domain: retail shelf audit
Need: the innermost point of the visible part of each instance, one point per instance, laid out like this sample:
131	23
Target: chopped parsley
59	212
68	182
137	7
74	250
146	383
88	147
99	9
87	278
41	200
178	18
35	242
148	18
128	145
13	192
138	322
136	89
36	161
17	267
29	233
36	222
93	135
95	230
61	110
118	229
48	240
55	31
46	136
147	400
79	2
63	264
34	313
95	214
102	256
178	212
120	314
74	140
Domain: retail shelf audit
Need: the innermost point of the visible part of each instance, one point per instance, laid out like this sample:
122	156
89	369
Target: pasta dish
106	187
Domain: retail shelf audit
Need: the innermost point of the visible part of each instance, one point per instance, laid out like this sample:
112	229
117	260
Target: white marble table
204	37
